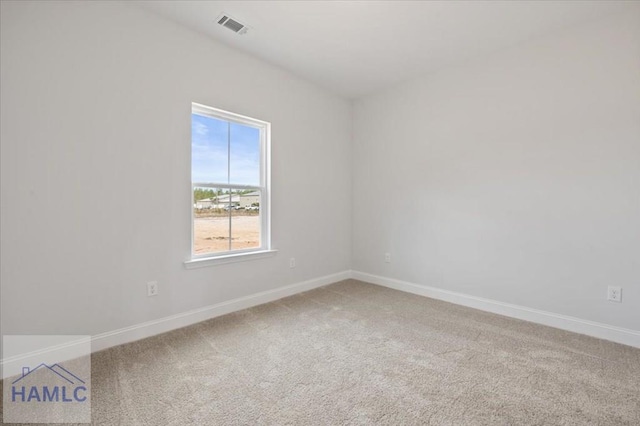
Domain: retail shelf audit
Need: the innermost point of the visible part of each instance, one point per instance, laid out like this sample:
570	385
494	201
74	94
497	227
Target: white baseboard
590	328
151	328
162	325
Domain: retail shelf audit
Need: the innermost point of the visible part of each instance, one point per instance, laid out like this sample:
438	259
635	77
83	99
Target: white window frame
264	250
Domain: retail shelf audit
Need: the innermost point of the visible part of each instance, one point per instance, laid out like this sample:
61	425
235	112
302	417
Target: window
230	184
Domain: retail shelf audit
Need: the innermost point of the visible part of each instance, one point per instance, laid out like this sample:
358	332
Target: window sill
229	258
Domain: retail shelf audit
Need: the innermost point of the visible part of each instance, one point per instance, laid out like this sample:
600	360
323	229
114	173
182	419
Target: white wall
514	177
95	147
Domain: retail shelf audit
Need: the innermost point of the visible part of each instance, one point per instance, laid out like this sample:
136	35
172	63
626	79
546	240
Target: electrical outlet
152	288
614	294
292	262
387	257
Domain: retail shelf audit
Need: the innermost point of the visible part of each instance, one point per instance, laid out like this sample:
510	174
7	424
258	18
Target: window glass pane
245	220
209	149
227	168
210	220
245	155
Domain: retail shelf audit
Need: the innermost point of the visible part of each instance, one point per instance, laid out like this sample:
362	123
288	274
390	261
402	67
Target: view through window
229	182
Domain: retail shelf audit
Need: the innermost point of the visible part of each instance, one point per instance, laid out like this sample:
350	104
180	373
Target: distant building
247	200
226	200
205	203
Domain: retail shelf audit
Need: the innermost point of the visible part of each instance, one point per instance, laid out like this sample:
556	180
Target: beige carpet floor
358	354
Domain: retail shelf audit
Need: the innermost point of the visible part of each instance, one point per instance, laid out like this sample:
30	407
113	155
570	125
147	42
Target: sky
210	150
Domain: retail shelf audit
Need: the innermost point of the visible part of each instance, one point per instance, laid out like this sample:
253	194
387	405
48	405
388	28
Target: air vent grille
232	24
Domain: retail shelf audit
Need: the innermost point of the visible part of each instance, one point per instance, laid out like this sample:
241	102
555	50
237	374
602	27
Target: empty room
320	212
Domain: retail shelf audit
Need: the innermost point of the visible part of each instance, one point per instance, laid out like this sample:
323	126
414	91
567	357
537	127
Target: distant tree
202	193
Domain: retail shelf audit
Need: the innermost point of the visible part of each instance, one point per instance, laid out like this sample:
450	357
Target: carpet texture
355	353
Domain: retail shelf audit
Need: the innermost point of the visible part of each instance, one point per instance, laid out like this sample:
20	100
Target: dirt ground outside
211	234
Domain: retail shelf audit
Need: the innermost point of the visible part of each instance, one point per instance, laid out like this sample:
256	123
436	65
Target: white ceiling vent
232	24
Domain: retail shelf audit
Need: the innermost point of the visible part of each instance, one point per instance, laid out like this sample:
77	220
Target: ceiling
354	48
